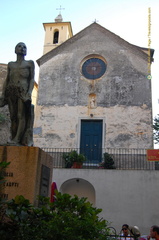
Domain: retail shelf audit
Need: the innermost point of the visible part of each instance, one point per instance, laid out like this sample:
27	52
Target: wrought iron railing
124	159
133	234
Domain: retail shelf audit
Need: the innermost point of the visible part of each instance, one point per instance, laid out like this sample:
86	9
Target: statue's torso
19	77
19	73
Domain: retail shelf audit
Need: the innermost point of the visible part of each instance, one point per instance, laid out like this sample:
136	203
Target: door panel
91	140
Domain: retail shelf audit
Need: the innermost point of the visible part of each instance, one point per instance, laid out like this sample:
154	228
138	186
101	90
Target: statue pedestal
29	172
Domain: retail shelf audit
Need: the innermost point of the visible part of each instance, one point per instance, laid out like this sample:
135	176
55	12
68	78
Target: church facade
94	96
94	93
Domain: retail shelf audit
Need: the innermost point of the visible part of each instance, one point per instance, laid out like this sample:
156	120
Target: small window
56	37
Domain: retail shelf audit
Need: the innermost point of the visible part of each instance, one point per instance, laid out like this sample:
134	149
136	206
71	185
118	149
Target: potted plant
108	162
68	160
79	161
74	159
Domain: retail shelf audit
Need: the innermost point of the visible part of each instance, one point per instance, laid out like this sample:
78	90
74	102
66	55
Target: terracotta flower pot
77	165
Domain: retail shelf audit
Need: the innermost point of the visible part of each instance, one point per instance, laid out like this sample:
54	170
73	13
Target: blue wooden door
91	140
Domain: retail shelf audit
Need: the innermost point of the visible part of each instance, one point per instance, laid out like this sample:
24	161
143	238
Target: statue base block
29	173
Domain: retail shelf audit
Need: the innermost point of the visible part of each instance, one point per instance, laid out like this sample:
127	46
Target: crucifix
60	8
95	21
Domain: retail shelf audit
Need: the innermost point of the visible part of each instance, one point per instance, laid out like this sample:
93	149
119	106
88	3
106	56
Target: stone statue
92	102
16	93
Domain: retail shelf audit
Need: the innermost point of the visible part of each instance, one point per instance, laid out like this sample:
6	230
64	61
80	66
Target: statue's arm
31	82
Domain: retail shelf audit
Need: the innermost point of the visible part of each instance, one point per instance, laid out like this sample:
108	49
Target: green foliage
67	218
108	162
156	128
72	157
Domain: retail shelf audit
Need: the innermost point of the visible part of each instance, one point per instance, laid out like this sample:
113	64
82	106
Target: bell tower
56	33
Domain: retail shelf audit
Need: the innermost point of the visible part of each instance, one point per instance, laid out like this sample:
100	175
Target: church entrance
91	140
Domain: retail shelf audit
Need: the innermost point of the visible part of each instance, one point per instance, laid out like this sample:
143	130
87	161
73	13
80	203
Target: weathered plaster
124	83
128	127
122	96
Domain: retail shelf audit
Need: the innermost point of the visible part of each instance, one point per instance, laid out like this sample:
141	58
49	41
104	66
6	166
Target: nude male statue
16	93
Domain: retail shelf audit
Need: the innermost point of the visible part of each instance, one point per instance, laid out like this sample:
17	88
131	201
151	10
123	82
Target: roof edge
141	51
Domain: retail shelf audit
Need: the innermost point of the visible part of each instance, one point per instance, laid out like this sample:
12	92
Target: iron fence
124	159
131	236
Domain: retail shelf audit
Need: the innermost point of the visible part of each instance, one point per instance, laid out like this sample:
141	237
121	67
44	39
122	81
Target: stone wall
123	127
4	112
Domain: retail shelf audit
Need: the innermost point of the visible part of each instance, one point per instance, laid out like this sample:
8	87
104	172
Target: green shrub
108	162
67	218
156	129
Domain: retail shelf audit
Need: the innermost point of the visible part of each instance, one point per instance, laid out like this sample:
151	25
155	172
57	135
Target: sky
22	21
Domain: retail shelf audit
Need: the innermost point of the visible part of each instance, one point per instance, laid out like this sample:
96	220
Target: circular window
93	68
